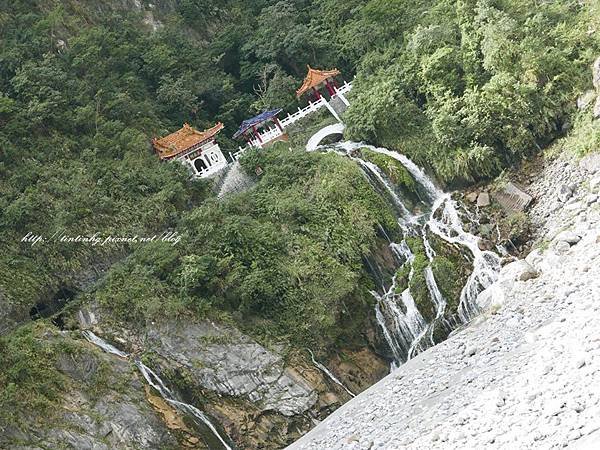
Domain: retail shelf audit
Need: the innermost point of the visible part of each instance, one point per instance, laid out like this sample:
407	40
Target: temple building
197	150
313	84
262	130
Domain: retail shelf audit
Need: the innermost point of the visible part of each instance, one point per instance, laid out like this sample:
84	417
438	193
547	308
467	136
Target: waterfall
327	372
234	180
486	264
403	326
156	382
99	342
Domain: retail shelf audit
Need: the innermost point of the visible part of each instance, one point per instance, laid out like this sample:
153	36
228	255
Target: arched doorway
200	165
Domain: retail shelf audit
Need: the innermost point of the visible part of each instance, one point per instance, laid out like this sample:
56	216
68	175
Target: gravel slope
526	373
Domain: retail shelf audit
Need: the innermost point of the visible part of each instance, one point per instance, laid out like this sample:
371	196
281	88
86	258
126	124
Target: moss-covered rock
395	171
62	392
451	270
418	283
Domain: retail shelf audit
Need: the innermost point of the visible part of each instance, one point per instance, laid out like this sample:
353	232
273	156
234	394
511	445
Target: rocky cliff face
523	374
106	408
261	397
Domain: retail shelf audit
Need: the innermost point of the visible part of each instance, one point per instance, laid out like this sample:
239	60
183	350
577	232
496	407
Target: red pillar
276	120
317	93
329	88
256	135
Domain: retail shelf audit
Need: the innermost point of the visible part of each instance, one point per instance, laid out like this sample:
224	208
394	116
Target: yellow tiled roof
183	139
315	77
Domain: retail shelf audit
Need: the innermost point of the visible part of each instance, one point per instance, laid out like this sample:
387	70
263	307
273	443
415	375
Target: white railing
274	132
346	87
312	107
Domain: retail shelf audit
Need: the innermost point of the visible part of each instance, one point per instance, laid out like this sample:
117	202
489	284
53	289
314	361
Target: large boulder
565	192
590	163
512	198
535	258
223	360
483	200
493	297
569	237
519	270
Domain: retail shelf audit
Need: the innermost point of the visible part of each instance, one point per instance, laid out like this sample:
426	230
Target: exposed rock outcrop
96	414
223	360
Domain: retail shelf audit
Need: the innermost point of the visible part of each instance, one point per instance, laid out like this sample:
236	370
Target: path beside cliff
526	373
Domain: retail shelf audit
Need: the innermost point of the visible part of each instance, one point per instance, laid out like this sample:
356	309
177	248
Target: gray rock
117	418
586	99
590	163
562	247
596	73
223	360
591	199
471	197
470	351
569	237
565	192
535	257
596	110
512	197
519	270
483	200
580	361
80	367
575	206
493	297
87	317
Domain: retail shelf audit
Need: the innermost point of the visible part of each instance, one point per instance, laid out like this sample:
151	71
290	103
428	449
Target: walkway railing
274	132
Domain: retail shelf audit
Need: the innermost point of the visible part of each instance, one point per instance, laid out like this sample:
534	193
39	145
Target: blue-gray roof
256	121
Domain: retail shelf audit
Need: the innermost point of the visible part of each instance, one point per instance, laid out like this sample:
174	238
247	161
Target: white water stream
156	382
403	326
327	372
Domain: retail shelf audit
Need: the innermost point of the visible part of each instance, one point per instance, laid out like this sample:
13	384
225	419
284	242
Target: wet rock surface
523	374
223	360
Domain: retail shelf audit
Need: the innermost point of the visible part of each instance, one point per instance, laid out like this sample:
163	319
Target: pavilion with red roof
197	150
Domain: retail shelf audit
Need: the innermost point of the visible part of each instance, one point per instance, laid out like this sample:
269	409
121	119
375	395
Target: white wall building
197	150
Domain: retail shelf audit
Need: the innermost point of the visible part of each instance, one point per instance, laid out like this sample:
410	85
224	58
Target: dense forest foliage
464	87
476	86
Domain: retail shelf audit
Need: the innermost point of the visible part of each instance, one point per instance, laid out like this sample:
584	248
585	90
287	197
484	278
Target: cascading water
327	372
404	328
486	264
156	382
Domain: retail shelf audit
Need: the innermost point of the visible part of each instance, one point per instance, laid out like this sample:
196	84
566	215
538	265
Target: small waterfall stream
156	382
327	372
403	326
